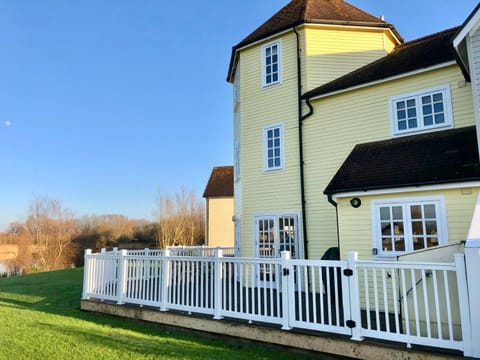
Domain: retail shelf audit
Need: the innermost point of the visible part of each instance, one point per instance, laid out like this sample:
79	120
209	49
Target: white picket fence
413	303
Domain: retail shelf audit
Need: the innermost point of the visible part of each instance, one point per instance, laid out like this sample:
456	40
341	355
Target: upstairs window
271	64
273	148
421	111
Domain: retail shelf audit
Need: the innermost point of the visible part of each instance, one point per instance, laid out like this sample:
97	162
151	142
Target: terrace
414	303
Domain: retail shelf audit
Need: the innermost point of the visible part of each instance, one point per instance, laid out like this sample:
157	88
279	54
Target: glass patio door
274	234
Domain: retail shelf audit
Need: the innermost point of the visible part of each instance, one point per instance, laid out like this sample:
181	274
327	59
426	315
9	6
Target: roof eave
471	24
378	81
366	189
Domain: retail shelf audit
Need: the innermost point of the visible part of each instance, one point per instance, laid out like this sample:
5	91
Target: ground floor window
408	224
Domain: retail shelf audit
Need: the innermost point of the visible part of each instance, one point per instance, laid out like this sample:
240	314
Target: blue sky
105	103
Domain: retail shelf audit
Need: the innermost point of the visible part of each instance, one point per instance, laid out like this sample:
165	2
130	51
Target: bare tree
52	228
180	219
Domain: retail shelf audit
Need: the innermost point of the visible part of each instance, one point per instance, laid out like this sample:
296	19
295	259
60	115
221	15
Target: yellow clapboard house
347	136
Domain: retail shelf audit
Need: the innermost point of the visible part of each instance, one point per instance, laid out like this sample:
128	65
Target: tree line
52	237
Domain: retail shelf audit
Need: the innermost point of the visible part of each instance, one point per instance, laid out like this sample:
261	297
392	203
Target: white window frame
267	168
276	219
264	49
406	202
417	95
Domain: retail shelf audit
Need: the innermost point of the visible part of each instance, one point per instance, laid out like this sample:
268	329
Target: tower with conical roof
304	45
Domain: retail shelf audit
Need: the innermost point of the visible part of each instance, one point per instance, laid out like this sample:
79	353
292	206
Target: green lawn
40	318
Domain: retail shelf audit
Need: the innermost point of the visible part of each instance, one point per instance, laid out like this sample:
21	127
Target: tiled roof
298	12
414	55
220	183
439	157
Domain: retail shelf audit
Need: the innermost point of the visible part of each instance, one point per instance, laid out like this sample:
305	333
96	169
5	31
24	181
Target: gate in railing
414	303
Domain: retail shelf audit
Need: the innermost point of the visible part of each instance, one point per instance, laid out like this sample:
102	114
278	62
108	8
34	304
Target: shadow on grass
59	293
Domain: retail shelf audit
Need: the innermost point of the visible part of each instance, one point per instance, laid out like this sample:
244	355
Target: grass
40	318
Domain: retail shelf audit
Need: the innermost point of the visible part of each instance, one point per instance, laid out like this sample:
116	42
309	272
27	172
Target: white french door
274	234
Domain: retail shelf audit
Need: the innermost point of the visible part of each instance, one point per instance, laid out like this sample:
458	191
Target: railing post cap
88	251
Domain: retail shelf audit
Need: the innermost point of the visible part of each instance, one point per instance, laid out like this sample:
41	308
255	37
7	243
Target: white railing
201	250
414	303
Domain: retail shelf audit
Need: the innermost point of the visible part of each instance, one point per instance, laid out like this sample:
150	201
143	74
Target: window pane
399	244
412	112
432	241
416	212
431	227
427	109
277	162
269	134
275	58
417	228
275	77
275	67
384	213
401	114
268	51
270	163
410	103
412	123
428	120
387	244
270	143
418	243
277	132
398	228
438	107
402	125
269	79
277	142
274	49
438	97
397	212
400	105
268	60
277	152
439	119
426	100
386	229
270	153
269	70
430	211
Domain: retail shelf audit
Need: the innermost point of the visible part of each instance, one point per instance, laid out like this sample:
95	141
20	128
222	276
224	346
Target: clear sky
105	103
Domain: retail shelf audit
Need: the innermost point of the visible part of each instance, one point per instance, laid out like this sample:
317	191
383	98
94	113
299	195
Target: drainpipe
334	203
301	118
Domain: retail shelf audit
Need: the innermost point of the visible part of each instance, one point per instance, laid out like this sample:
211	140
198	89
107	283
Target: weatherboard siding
274	191
356	229
336	50
359	116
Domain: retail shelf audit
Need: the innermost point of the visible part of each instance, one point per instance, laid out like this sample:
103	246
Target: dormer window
271	64
421	111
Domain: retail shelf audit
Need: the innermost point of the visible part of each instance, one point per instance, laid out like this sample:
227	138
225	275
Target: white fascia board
473	238
400	190
470	28
396	77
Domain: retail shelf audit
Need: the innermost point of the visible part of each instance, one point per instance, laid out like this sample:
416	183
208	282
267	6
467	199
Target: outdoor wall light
355	202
